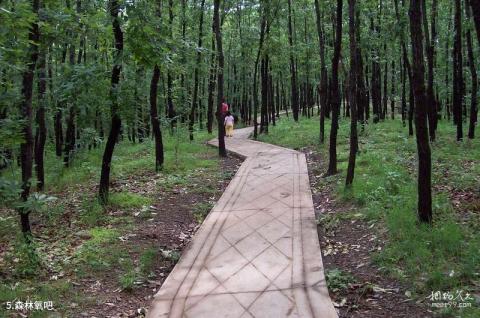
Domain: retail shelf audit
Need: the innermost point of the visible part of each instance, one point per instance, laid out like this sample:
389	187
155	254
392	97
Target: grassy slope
444	257
21	276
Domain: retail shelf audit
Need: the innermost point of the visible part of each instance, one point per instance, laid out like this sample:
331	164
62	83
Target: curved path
257	253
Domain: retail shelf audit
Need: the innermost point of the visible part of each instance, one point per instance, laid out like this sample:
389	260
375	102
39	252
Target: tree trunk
211	86
26	148
170	108
195	76
263	22
475	4
353	93
41	134
458	84
473	72
293	71
115	116
157	133
335	99
323	72
70	138
220	118
423	146
430	49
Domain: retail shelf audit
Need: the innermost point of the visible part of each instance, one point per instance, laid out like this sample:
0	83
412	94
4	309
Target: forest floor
96	262
378	261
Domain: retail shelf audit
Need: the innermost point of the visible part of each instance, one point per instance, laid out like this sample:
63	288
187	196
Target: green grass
127	200
442	257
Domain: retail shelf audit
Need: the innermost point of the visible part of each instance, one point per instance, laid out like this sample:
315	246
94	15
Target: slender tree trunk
430	49
115	116
293	71
423	146
458	83
473	72
392	91
41	134
353	93
323	72
70	137
170	108
475	4
220	118
195	76
211	86
409	71
26	148
335	100
263	23
157	133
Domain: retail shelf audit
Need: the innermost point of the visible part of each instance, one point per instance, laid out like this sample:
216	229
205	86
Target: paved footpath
257	253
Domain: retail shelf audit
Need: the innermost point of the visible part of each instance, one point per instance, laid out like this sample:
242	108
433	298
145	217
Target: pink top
229	120
224	108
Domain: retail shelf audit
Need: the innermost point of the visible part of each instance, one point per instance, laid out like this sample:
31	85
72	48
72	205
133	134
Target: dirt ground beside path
357	287
171	230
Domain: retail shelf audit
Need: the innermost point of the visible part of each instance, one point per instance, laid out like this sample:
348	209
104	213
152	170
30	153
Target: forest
106	107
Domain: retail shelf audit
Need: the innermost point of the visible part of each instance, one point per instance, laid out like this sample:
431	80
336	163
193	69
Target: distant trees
69	92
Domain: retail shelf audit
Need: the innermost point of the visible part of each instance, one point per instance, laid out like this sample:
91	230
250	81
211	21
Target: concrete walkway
257	253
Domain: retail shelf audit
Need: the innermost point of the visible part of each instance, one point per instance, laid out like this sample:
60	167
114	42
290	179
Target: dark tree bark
26	148
473	72
58	128
294	94
220	118
170	108
41	134
475	4
211	85
353	92
264	116
323	72
115	116
423	145
376	84
458	83
409	71
195	76
140	118
430	50
263	23
404	94
157	132
335	99
392	91
70	137
362	101
385	89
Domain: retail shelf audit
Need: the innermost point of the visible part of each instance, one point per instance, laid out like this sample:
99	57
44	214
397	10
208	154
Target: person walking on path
225	108
229	120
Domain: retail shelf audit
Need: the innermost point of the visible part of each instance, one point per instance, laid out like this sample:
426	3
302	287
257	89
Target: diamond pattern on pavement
257	254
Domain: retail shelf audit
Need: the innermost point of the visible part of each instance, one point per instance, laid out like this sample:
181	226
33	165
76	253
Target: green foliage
127	200
24	256
338	280
148	260
101	252
92	212
201	211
